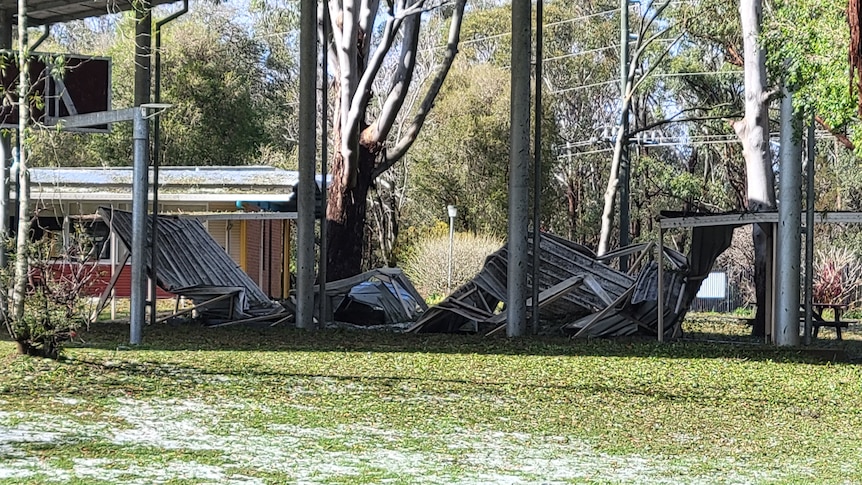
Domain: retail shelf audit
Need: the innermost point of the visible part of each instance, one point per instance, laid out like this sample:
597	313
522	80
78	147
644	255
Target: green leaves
807	43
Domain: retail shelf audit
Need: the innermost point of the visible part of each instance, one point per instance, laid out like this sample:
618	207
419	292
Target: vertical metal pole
141	141
307	164
625	165
789	220
451	244
143	49
115	248
324	159
660	295
140	136
537	171
519	154
809	233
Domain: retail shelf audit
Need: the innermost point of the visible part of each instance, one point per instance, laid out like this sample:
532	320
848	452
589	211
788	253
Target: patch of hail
297	454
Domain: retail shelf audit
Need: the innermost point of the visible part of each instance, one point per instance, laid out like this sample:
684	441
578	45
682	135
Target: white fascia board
238	216
163	197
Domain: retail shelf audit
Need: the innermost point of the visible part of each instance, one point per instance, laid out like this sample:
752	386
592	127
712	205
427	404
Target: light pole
453	213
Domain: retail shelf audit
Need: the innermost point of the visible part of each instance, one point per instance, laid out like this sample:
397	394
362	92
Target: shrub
56	304
837	273
427	262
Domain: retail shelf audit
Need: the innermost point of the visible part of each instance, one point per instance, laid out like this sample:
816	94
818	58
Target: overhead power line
550	24
669	74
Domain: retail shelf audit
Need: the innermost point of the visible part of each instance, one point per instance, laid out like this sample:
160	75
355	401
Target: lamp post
453	213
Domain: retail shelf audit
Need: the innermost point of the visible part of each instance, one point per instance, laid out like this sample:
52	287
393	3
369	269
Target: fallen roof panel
582	293
190	262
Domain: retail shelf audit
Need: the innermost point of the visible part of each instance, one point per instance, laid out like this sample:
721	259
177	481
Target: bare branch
402	79
653	66
841	137
363	91
367	19
347	59
673	119
335	28
395	153
656	13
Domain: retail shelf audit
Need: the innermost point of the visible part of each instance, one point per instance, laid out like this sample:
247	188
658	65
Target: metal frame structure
741	219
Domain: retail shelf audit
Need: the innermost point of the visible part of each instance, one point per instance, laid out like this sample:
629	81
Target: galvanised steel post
519	174
537	172
789	225
140	163
307	163
140	138
809	234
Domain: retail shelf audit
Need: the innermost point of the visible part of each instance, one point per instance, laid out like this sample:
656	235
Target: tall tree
650	29
362	146
753	132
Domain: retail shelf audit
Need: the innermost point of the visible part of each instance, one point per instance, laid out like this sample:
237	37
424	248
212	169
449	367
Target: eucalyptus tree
364	146
392	193
644	60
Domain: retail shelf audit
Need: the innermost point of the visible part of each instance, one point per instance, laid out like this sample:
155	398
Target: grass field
277	405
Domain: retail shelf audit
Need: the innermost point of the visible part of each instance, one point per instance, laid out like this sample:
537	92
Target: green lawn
276	405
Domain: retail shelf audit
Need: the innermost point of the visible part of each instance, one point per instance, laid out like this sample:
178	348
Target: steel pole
140	137
140	162
809	234
323	309
307	163
519	156
789	217
537	174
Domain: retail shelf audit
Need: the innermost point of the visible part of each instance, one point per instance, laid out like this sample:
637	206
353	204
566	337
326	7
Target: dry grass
428	262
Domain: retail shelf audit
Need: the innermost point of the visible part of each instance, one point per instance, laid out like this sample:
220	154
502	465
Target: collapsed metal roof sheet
386	289
583	292
190	262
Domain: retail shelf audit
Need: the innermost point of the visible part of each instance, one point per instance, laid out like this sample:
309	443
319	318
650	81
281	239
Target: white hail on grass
310	455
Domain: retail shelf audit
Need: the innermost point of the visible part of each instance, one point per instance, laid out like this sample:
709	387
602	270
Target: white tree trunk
21	262
753	129
753	132
611	193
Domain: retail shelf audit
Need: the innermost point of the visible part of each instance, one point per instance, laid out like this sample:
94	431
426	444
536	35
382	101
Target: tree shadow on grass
194	337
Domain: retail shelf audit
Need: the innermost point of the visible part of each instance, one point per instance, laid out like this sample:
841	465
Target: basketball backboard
62	85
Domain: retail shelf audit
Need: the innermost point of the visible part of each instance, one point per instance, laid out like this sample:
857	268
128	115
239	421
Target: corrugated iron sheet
594	298
473	306
714	286
191	263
